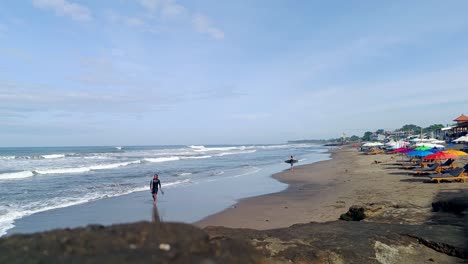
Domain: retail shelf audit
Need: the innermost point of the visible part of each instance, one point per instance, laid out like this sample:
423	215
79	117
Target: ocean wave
196	157
158	160
197	147
7	157
184	174
235	153
85	169
16	175
8	215
207	149
53	156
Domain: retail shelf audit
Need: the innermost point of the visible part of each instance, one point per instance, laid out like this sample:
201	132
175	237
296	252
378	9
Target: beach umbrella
440	156
456	152
372	144
399	149
429	145
419	153
406	150
462	139
422	148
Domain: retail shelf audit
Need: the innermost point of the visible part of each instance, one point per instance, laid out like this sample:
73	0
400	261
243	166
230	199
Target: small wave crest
53	156
16	175
197	157
7	157
236	153
184	174
86	169
158	160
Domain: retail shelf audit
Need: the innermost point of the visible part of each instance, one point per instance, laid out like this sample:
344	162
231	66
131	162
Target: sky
162	72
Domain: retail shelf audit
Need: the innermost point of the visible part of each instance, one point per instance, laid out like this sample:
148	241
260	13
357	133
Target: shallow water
34	180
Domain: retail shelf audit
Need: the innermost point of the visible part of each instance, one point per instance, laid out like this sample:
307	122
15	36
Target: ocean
39	179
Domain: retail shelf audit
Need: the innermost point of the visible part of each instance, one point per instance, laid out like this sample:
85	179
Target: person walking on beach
154	184
291	161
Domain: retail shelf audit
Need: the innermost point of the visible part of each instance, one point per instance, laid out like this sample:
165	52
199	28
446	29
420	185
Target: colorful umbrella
422	148
398	150
440	156
419	153
456	152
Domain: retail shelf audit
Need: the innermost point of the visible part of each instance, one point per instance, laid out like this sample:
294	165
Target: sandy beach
323	191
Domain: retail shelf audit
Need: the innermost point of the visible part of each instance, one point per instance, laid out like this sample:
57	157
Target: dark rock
456	205
132	243
332	242
354	242
355	213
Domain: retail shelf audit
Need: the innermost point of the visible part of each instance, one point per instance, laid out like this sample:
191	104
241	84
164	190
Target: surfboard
291	161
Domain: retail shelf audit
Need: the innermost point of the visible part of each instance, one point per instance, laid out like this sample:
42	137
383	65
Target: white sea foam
7	157
158	160
197	157
97	157
53	156
197	147
16	175
236	153
184	174
205	149
86	169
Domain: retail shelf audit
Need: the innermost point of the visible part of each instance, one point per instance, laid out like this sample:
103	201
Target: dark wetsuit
154	186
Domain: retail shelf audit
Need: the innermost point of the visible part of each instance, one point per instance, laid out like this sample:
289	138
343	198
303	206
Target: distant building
462	124
377	137
460	129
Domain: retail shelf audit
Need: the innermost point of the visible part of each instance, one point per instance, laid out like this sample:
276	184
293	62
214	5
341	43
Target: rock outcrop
332	242
130	243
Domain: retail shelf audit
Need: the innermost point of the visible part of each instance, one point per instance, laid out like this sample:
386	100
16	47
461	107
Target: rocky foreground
443	240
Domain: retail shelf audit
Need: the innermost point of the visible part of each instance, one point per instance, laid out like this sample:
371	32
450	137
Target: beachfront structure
460	129
462	124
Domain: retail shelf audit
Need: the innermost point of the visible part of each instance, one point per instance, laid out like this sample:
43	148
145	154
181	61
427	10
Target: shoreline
292	205
323	191
214	196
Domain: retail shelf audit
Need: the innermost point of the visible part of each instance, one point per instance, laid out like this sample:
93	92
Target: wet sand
322	191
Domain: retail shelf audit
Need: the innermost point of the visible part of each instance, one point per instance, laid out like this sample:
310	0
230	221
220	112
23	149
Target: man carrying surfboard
291	161
154	184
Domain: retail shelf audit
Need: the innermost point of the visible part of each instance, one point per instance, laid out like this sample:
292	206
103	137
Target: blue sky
77	72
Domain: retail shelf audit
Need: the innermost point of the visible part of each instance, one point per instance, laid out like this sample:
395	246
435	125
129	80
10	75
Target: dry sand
322	191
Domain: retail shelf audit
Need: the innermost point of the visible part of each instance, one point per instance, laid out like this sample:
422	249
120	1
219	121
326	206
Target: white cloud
167	8
149	4
203	24
65	8
171	9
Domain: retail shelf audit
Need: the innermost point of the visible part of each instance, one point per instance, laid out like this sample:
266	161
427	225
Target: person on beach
291	160
154	184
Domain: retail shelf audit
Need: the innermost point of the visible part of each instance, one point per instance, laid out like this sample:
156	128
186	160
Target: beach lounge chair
449	164
411	162
452	175
433	168
409	166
